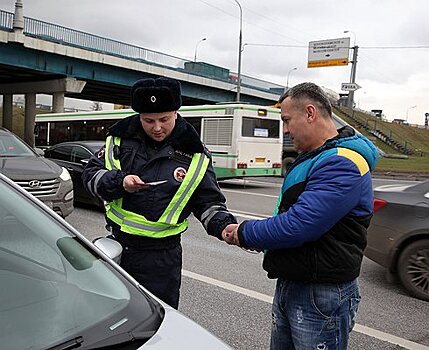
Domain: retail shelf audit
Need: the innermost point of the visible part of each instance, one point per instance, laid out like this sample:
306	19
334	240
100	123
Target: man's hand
230	234
133	183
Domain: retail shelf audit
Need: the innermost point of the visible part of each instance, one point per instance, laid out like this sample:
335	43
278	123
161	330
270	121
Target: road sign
325	53
349	86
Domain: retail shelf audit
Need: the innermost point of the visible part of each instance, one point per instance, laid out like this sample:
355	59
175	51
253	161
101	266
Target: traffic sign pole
350	100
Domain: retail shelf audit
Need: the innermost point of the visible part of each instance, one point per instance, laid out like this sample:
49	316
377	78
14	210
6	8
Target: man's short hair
311	91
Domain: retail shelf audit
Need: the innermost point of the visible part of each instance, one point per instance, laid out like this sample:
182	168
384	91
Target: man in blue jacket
154	171
314	243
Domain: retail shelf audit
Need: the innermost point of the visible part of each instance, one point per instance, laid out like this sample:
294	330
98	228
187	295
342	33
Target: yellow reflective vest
167	224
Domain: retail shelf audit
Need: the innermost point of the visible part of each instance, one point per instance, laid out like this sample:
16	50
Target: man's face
158	126
295	123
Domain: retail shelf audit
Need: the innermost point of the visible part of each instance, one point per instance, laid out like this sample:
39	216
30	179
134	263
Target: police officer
154	172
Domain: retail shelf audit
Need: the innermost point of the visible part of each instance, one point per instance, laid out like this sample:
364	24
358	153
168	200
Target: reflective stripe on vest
167	224
109	159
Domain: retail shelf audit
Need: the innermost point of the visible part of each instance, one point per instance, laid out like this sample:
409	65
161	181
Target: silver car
60	291
41	177
398	237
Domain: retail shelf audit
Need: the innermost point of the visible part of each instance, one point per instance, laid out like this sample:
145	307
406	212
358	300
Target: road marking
251	193
228	286
247	215
247	181
407	344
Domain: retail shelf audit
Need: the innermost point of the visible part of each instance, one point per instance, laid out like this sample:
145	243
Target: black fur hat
156	95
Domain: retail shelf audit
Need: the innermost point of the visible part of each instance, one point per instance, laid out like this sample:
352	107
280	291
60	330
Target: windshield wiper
68	344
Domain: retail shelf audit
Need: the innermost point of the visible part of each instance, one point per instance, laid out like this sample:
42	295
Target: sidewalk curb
401	175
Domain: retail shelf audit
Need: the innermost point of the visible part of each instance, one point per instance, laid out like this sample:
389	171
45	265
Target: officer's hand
133	183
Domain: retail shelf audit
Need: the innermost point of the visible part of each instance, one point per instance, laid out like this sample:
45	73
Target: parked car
74	156
60	291
398	237
39	176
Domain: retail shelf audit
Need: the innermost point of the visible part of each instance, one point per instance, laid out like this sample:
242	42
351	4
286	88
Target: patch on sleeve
356	158
100	154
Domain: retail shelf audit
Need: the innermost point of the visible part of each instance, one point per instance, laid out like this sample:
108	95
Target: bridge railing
66	36
6	20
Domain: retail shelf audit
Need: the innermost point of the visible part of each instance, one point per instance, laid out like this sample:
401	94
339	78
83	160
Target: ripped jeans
317	316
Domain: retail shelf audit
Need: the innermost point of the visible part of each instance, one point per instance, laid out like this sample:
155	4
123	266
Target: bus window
195	122
256	127
41	133
60	131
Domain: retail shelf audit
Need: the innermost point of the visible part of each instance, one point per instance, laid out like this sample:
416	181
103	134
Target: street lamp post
288	74
196	48
240	38
408	110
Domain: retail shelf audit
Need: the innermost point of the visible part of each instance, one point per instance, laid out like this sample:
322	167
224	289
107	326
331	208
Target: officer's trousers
157	269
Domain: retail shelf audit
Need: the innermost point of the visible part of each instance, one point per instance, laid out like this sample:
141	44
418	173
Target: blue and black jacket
318	232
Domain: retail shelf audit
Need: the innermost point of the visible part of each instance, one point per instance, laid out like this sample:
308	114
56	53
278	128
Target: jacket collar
184	137
347	138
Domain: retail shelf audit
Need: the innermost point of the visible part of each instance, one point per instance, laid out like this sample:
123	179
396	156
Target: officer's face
158	126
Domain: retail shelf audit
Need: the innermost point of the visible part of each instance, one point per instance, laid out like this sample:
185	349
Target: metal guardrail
66	36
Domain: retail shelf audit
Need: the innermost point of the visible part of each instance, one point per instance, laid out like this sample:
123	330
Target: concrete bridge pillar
30	118
7	111
58	88
58	102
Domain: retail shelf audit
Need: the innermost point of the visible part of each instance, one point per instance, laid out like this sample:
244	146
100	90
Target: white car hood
179	332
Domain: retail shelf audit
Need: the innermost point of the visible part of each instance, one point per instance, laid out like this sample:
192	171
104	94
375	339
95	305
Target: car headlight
65	175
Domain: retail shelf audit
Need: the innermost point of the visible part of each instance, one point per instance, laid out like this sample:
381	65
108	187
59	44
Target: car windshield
11	146
54	288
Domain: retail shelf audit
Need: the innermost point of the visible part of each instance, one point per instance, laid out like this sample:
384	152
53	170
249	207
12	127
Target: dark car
60	291
41	177
398	237
74	156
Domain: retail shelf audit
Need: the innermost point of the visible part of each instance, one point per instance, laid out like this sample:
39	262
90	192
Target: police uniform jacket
155	161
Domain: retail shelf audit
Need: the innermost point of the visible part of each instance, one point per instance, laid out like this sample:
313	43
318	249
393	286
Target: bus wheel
286	163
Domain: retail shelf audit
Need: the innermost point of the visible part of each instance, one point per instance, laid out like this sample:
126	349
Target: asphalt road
225	289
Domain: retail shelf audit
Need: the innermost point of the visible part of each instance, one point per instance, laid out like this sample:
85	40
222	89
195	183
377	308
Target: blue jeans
316	316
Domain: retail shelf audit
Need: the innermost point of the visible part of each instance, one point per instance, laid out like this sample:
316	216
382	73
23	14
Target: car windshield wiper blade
68	344
137	337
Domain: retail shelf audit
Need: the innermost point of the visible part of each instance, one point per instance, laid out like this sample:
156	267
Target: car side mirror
110	247
39	151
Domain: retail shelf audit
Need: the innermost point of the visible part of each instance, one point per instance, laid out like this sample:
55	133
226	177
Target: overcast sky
393	77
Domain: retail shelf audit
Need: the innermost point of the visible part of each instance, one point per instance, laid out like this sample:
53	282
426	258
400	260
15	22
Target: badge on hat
153	99
179	174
